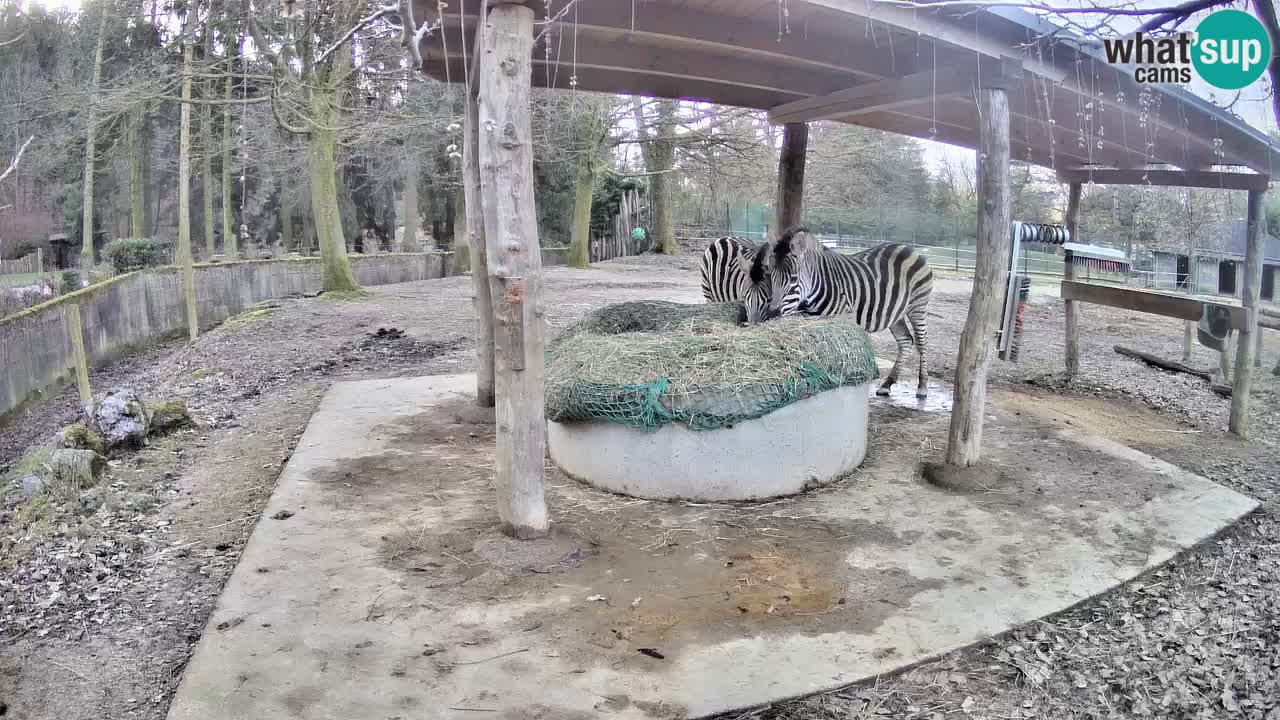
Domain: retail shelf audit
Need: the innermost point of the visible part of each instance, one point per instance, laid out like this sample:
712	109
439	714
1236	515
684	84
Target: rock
31	485
71	471
78	436
169	416
121	419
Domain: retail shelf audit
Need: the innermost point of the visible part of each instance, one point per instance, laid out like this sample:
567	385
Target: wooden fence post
1068	273
790	195
515	268
964	437
75	331
1249	296
481	300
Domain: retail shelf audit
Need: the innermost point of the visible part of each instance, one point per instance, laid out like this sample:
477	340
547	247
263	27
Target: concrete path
375	587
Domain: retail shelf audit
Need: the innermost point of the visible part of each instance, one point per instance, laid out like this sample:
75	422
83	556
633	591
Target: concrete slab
375	585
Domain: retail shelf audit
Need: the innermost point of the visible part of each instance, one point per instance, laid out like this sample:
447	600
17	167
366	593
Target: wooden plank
515	267
1068	273
1154	303
1167	178
75	332
875	96
1238	422
481	298
790	197
964	437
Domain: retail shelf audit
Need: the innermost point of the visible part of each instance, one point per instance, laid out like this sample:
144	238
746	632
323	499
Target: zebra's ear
793	241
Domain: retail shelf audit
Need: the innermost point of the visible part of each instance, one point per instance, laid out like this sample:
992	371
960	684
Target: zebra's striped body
885	287
725	266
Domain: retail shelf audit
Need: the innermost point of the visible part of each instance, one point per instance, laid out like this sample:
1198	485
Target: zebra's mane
784	245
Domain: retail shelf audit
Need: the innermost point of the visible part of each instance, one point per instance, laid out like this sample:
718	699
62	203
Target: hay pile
647	364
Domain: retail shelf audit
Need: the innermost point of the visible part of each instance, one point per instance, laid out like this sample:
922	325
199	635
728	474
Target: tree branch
16	159
1179	13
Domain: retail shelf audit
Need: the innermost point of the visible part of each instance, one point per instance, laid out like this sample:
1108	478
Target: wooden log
1250	297
1163	364
481	299
964	438
790	197
515	267
1068	273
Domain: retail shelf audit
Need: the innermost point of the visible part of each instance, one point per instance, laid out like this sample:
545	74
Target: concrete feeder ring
807	444
667	401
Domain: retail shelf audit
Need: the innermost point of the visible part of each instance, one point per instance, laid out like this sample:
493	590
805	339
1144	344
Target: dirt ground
103	601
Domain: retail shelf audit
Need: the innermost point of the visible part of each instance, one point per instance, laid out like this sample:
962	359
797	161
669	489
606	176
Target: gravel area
104	598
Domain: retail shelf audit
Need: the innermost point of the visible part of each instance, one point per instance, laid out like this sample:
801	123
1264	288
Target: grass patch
33	462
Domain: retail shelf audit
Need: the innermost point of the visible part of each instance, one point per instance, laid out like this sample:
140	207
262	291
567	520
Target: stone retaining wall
135	309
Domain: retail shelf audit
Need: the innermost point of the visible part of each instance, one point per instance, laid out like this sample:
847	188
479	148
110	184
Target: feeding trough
667	401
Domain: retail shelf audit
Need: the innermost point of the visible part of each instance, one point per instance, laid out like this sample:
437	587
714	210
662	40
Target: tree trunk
659	152
228	230
964	439
580	235
286	221
90	152
137	181
515	268
477	247
184	186
1249	298
409	207
790	202
323	143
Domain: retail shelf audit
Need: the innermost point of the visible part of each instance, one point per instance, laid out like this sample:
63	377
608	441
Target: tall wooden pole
1068	273
1249	296
964	439
795	143
515	266
478	255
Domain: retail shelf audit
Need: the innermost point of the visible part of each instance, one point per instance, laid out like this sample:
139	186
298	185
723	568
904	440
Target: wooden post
75	331
1257	350
795	143
515	266
964	439
481	300
1249	296
1188	334
1068	273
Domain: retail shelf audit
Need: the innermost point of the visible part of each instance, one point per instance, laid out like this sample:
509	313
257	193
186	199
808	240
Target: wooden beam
515	267
790	201
964	437
481	299
1249	297
1154	303
1167	178
1068	273
880	95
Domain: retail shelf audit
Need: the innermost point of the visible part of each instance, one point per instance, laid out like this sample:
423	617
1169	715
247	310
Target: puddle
903	395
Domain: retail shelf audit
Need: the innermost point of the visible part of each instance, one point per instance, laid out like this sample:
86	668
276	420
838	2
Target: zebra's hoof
882	391
922	393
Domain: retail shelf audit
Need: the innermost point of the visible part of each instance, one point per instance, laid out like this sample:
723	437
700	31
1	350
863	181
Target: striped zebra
725	271
885	287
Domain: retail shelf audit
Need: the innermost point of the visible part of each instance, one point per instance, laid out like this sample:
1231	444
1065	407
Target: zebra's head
769	275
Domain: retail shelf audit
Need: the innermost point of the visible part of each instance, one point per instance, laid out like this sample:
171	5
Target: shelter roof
912	71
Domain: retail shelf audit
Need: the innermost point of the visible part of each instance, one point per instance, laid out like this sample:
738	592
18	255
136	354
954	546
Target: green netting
647	364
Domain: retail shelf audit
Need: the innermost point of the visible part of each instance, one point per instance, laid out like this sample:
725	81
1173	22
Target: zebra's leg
902	334
916	316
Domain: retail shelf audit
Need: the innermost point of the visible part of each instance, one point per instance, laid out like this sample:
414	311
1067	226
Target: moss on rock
78	436
169	416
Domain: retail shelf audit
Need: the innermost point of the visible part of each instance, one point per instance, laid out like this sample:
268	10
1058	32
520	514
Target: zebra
887	286
725	269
